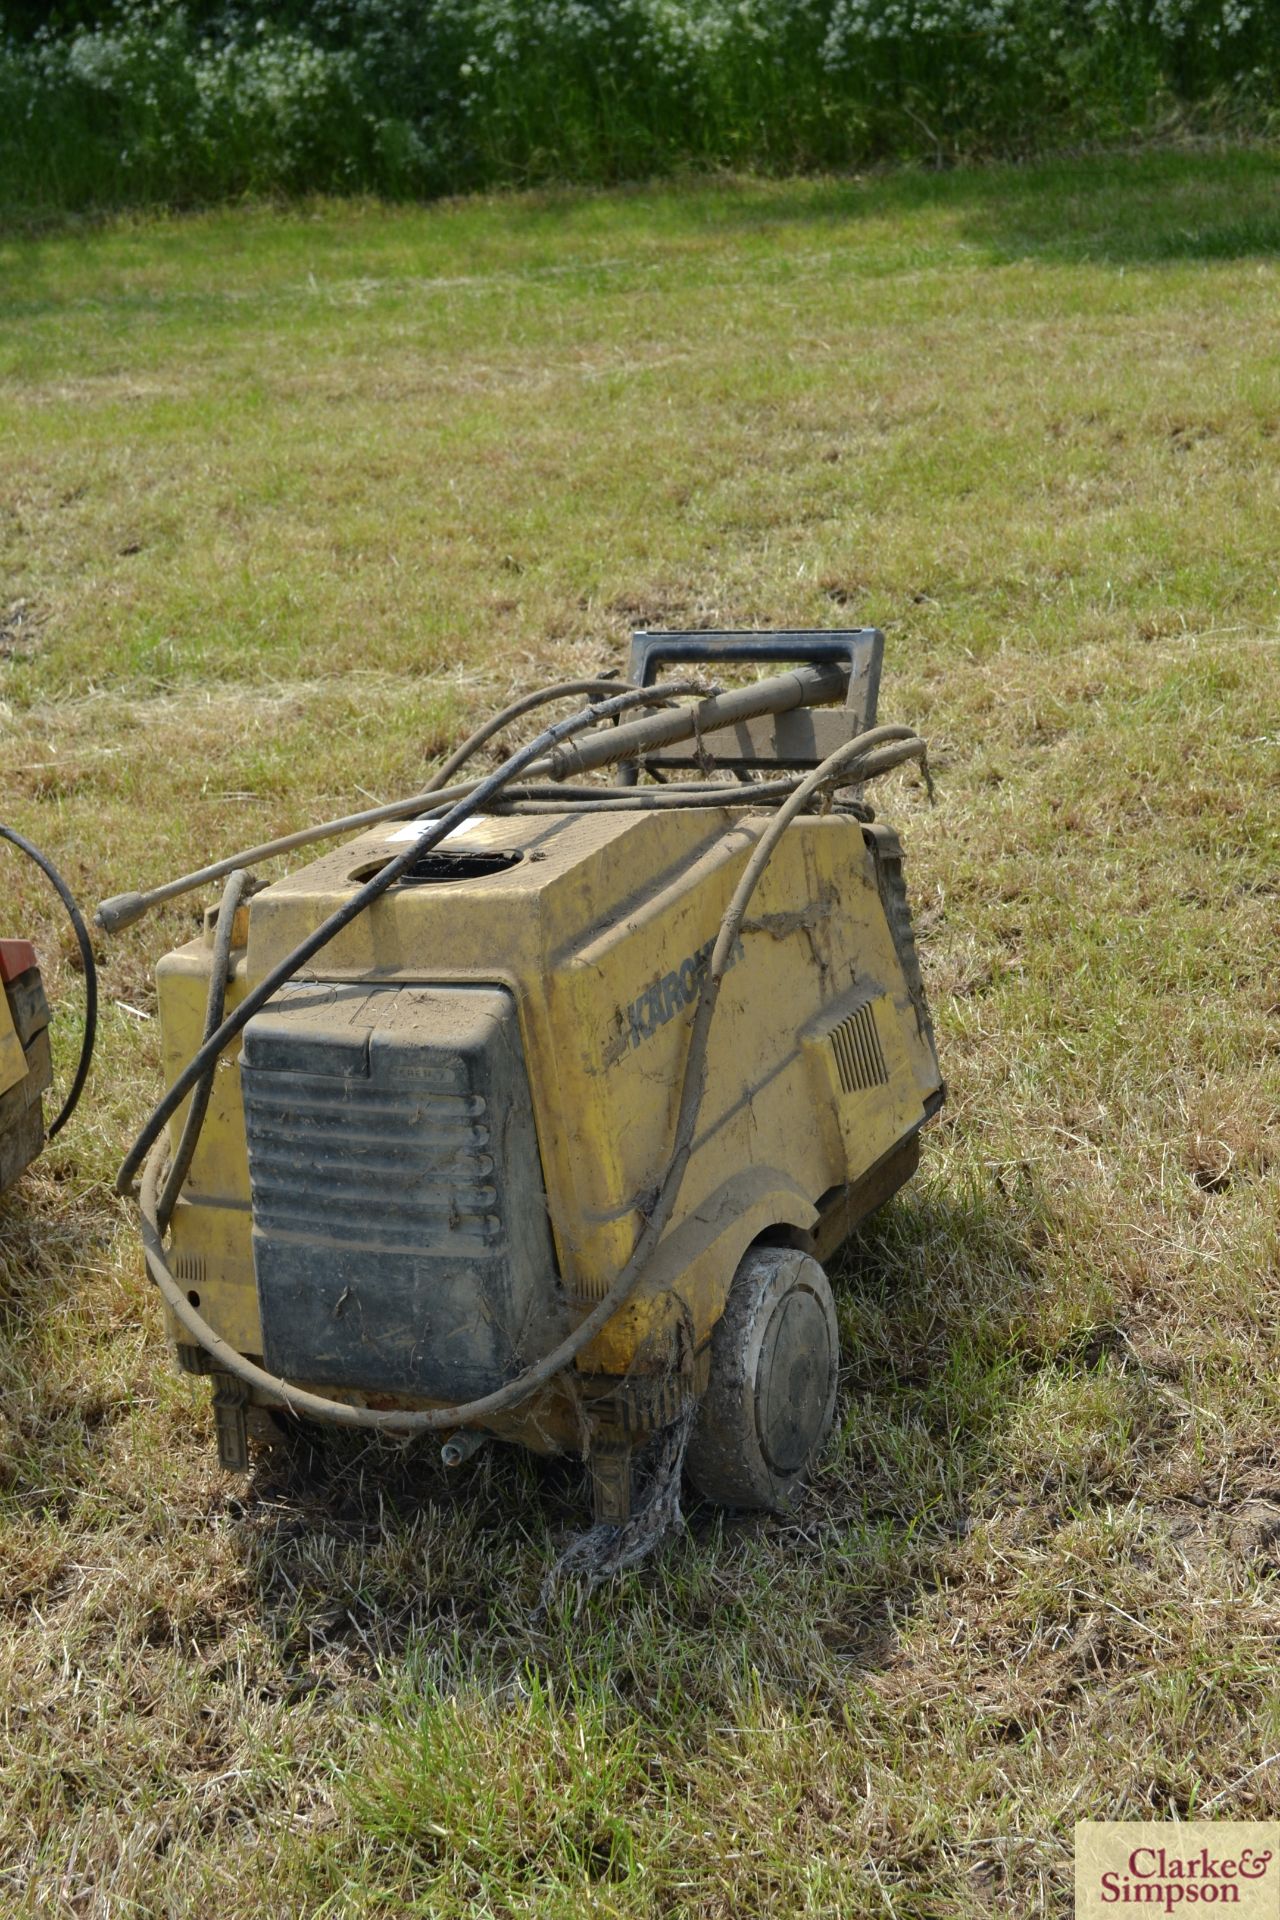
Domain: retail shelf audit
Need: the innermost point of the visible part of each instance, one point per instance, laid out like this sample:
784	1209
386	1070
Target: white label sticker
416	829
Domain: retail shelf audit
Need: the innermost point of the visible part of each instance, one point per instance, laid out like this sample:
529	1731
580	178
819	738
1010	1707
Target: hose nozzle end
114	915
461	1445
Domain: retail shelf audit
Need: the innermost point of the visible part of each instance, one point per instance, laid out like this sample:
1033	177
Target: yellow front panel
212	1254
13	1061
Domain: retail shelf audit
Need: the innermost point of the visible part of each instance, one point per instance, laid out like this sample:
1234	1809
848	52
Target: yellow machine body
13	1058
820	1073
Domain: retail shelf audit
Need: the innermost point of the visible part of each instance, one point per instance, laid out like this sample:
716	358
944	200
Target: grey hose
806	686
857	760
124	908
563	690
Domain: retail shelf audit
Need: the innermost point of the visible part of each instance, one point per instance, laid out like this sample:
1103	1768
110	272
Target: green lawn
289	498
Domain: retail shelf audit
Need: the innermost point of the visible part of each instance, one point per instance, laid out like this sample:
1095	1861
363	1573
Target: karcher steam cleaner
533	1110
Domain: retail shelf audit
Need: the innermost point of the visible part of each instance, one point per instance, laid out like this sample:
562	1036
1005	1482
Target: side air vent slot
859	1057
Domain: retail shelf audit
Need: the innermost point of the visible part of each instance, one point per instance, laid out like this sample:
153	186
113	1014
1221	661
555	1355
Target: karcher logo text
669	994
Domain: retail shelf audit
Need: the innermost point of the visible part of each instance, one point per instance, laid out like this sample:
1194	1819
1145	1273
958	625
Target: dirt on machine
533	1109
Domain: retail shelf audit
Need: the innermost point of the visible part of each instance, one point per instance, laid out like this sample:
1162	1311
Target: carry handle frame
862	648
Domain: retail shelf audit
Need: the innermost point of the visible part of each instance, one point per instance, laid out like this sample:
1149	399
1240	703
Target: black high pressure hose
85	945
284	971
872	753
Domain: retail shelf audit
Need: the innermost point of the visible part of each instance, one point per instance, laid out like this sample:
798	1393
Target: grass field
286	500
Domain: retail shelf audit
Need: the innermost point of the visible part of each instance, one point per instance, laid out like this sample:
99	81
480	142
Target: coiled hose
869	755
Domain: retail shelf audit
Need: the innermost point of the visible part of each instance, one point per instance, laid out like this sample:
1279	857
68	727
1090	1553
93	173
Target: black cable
124	908
85	945
351	909
598	688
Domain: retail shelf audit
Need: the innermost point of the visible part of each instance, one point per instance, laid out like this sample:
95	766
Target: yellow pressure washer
532	1110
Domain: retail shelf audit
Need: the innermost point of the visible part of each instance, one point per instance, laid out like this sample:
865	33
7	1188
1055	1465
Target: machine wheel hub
791	1380
771	1395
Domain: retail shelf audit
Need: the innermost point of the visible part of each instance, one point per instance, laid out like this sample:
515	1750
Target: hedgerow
141	101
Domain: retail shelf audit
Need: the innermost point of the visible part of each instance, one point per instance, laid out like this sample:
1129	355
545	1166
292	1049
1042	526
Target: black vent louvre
408	1167
859	1057
400	1234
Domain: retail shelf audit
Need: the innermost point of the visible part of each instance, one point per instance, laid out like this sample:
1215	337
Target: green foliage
142	102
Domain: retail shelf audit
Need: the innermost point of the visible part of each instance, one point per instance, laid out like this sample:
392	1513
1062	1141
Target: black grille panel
399	1220
859	1057
421	1161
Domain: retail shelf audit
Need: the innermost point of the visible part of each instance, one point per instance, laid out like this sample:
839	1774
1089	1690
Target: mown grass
287	500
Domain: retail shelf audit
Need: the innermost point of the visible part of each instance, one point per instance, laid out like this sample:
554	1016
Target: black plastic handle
861	647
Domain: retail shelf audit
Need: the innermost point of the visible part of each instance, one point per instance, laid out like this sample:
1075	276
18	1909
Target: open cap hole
436	867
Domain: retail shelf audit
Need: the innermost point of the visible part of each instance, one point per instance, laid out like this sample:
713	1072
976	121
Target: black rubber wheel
772	1391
